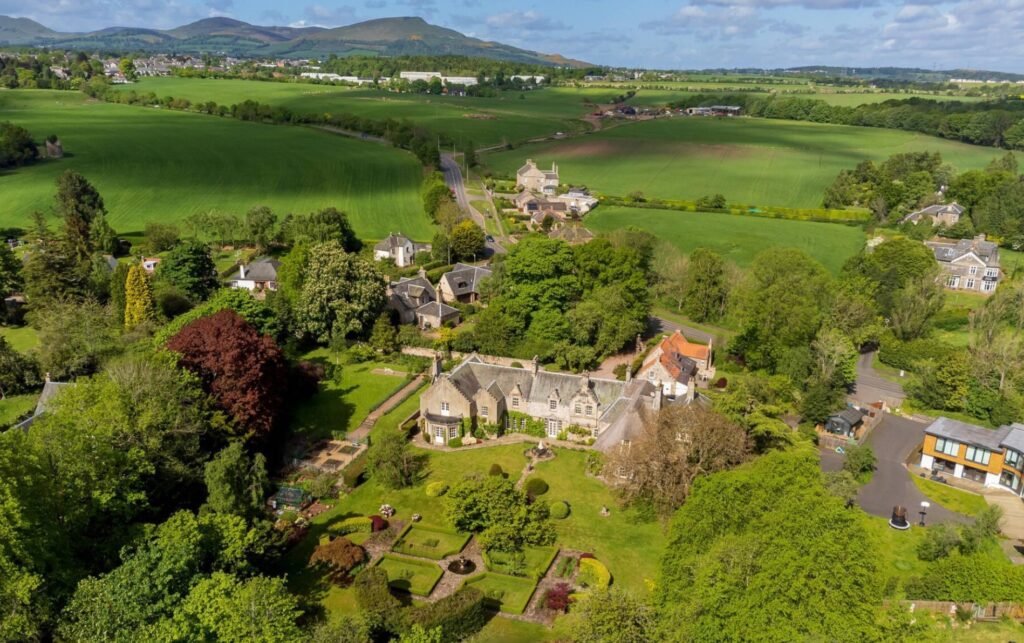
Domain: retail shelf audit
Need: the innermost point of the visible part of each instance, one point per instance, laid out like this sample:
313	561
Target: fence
980	611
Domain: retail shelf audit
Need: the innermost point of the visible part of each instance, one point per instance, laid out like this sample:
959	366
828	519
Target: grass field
14	407
737	238
658	96
485	121
413	576
153	165
340	407
21	338
750	161
969	504
536	561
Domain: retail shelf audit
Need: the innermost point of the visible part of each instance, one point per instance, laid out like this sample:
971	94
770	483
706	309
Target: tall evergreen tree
118	294
140	305
78	203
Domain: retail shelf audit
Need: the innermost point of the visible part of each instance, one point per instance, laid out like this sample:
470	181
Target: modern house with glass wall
992	457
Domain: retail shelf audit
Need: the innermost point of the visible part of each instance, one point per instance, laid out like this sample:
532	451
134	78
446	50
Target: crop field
751	161
484	121
154	165
737	238
662	96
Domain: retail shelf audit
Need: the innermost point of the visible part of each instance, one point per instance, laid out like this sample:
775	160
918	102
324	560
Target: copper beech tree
340	556
675	447
245	372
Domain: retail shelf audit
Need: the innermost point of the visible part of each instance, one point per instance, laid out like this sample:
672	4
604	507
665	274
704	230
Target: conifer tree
140	305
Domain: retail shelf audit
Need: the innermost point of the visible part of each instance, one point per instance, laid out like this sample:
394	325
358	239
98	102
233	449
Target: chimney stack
629	373
536	364
656	404
435	367
422	273
241	271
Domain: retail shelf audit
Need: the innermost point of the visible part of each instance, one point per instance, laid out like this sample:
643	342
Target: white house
149	264
578	200
259	276
399	248
531	177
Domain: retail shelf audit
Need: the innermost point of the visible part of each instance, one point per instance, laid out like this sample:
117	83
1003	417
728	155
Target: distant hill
908	73
385	36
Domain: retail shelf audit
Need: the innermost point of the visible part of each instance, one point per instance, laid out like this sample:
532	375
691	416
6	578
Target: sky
656	34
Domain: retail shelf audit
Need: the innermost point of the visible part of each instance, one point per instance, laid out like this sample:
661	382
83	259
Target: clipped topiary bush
593	574
560	510
455	443
536	487
436	489
496	470
351	525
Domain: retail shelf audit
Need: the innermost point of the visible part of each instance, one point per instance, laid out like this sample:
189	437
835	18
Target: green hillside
154	165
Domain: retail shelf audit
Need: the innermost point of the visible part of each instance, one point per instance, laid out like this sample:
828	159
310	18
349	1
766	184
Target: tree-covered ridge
997	123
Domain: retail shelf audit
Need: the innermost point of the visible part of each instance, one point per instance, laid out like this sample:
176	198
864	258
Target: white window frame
953	281
991	272
483	411
578	408
552	404
453	432
988	286
970	284
973	270
515	402
445	407
590	410
1013	459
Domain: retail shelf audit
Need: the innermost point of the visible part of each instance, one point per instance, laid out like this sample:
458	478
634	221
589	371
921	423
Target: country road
453	177
658	325
872	387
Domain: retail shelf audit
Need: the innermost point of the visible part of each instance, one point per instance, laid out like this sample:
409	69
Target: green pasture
159	165
511	116
660	95
738	238
751	161
15	407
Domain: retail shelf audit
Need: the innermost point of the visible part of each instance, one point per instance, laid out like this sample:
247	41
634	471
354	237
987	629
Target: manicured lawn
413	576
430	542
484	121
14	407
751	161
738	238
537	561
506	630
509	594
340	407
21	338
630	547
965	502
161	165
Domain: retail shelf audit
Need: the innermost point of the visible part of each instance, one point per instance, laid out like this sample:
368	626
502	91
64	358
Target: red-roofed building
679	365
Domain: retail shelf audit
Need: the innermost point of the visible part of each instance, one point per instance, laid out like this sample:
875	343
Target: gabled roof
436	309
392	241
947	251
50	390
264	269
851	415
464	279
968	433
678	343
406	291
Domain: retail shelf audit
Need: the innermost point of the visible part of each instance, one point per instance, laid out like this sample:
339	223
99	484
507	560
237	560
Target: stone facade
968	264
534	179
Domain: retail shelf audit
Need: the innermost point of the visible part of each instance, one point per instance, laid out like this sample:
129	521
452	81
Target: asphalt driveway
892	441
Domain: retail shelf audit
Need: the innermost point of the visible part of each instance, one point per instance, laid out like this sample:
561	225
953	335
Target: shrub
353	473
341	556
938	542
860	460
560	510
378	523
978	578
459	616
377	605
536	487
436	489
360	524
322	486
593	574
557	598
496	470
455	443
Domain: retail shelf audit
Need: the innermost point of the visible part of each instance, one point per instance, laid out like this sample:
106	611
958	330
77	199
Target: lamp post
924	510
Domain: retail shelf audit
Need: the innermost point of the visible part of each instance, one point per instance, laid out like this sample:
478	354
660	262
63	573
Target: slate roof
1015	437
473	374
264	269
436	309
948	251
50	390
968	433
406	291
935	210
851	415
464	279
391	242
572	234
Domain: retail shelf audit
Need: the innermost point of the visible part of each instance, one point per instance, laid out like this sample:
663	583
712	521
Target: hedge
363	524
459	616
977	578
560	510
908	355
352	474
769	212
594	574
436	489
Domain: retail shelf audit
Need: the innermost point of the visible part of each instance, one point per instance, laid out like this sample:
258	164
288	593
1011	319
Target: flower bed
430	542
504	593
413	576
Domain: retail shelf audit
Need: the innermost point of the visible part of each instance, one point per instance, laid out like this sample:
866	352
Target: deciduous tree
392	461
245	372
340	556
705	292
190	268
236	483
467	240
342	294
